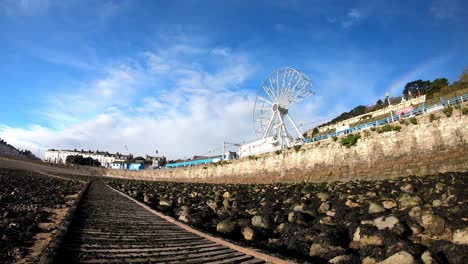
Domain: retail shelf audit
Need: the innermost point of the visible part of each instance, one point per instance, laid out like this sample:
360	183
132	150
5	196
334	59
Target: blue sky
181	76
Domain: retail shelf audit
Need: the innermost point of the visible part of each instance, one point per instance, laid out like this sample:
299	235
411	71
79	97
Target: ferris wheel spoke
265	100
269	92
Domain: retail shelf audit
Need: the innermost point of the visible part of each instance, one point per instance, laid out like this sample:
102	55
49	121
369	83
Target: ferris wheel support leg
295	127
283	130
267	131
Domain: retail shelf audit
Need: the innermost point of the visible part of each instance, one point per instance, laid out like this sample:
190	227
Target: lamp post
389	106
224	147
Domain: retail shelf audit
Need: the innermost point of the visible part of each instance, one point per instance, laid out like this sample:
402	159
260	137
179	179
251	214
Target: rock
326	220
164	202
248	233
415	228
401	257
351	204
386	222
375	208
357	234
318	250
415	213
324	207
369	260
433	224
340	259
280	228
427	258
323	196
259	221
407	201
212	205
374	240
436	203
146	198
227	195
407	188
439	187
226	226
389	204
226	203
183	211
460	236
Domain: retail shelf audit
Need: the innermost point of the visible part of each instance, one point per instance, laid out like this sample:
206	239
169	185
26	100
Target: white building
106	158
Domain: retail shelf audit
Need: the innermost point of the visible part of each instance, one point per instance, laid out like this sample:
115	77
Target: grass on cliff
350	140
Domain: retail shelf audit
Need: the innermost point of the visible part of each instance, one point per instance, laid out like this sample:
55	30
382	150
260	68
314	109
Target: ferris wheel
282	89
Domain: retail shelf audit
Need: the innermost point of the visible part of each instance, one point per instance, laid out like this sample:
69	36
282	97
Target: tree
416	88
437	85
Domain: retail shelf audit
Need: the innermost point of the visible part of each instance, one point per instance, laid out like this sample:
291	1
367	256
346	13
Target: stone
326	220
439	187
427	258
374	240
183	211
407	188
164	202
415	213
401	257
317	250
389	204
433	224
227	195
386	222
146	198
280	228
369	260
407	201
248	233
357	235
375	208
226	226
226	203
323	196
259	221
460	236
351	204
324	207
213	205
340	259
436	203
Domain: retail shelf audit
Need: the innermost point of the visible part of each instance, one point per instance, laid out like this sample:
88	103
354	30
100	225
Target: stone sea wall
429	147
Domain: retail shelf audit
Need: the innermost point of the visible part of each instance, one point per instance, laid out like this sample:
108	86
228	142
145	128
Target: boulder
259	221
324	251
433	224
323	196
427	258
248	233
374	240
460	236
226	226
407	201
401	257
351	204
324	207
340	259
407	188
389	204
386	222
375	208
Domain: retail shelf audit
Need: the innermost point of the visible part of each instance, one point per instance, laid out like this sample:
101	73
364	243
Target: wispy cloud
399	83
352	17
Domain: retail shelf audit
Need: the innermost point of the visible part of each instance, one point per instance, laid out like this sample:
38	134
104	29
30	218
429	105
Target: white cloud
448	9
352	17
192	110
